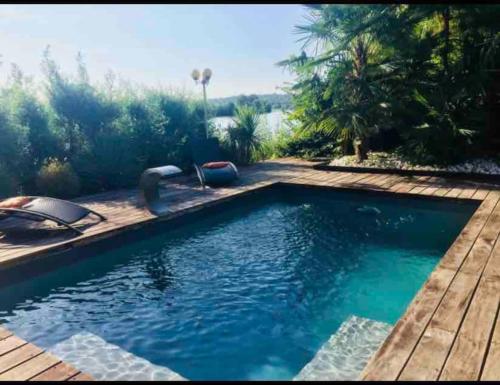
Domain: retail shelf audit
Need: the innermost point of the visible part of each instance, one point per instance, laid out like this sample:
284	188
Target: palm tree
397	66
242	136
350	71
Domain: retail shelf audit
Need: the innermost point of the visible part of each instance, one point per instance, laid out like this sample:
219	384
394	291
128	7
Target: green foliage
262	103
276	145
105	135
29	122
80	109
224	109
423	70
57	179
8	184
14	148
111	162
261	106
242	139
310	144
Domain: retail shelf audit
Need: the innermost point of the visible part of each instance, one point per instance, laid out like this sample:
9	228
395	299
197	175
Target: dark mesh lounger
62	212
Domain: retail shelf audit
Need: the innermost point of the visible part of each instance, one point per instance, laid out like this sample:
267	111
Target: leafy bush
8	184
14	146
80	109
441	133
106	135
311	144
242	139
176	119
111	162
57	179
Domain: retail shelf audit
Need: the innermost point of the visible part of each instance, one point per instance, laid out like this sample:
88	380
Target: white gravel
385	160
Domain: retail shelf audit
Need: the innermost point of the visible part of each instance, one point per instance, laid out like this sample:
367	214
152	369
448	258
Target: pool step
346	353
108	362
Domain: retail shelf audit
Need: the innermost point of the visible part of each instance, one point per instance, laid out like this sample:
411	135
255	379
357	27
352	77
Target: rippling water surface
249	292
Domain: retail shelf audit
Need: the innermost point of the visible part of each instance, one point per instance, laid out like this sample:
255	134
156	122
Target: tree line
261	103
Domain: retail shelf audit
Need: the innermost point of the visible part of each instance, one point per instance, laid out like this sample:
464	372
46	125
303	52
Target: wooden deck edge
24	361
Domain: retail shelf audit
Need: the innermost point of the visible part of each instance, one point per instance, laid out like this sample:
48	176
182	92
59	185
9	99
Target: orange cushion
14	203
215	164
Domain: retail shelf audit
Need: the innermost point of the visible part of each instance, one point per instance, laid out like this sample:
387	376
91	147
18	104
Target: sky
157	44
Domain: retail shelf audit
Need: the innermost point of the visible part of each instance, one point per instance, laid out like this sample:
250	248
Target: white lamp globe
207	74
195	75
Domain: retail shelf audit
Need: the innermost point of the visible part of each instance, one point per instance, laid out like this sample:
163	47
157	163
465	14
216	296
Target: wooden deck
450	331
22	361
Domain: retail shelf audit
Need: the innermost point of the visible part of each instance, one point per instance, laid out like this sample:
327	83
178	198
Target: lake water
270	122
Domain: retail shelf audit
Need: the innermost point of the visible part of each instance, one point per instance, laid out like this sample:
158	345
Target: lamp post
205	78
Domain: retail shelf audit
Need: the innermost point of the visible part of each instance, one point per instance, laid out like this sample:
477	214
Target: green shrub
112	162
311	144
8	184
242	139
14	154
57	179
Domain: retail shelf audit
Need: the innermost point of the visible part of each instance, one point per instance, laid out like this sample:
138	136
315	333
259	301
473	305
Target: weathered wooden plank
351	180
455	255
468	192
480	194
483	246
367	182
426	361
434	345
417	189
413	182
359	179
342	177
468	351
4	333
10	343
391	181
30	368
493	267
378	180
18	356
81	377
491	369
58	372
431	190
454	192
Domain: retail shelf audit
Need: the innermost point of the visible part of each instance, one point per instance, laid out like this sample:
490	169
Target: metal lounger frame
50	217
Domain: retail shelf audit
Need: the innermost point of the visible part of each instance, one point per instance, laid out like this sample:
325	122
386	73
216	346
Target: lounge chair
38	209
211	168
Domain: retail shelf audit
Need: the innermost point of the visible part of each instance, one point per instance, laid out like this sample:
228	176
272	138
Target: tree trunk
360	149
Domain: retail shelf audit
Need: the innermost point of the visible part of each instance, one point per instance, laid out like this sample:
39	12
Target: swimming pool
249	289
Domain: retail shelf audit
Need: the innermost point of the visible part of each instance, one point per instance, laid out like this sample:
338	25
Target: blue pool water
247	290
